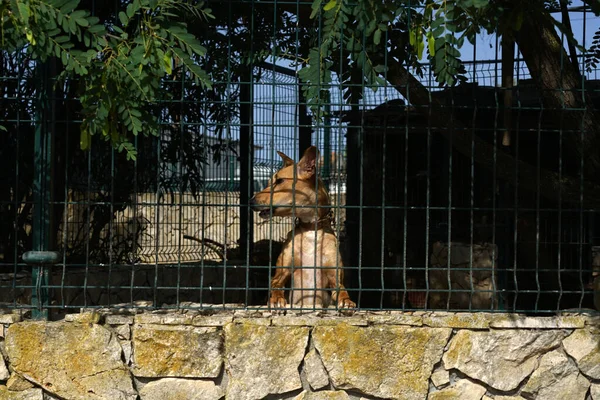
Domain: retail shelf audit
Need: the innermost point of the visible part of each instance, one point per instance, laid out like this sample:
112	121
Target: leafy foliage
361	36
592	55
122	61
119	64
592	58
357	38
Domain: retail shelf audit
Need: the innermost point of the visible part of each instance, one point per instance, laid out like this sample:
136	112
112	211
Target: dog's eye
279	181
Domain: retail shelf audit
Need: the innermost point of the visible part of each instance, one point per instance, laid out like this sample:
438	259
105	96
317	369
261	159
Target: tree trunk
560	87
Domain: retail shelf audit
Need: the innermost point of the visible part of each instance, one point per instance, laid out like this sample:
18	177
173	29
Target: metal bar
353	188
326	167
42	237
305	122
246	162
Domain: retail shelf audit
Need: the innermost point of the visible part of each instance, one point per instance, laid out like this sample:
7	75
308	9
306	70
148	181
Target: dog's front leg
335	279
281	278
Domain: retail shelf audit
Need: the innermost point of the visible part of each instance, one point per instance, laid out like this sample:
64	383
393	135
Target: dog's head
293	189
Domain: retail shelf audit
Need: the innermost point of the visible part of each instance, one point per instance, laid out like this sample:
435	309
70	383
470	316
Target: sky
584	26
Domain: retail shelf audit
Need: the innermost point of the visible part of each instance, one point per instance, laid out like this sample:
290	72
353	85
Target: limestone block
395	319
323	395
29	394
523	322
595	391
176	389
212	320
557	377
440	378
584	346
88	317
17	383
463	389
116	319
390	362
501	359
262	360
315	371
123	332
458	320
10	318
71	360
294	320
181	351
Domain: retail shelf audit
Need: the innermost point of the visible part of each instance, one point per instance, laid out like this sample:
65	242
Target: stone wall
256	355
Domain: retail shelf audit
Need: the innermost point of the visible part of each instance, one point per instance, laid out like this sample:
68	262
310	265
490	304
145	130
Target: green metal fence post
40	257
305	121
246	163
327	145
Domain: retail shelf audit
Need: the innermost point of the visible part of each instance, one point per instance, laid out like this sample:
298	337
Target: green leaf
82	22
72	26
480	3
96	29
130	10
69	6
316	6
3	128
123	18
167	61
79	14
84	140
438	32
29	36
439	43
377	37
330	5
24	11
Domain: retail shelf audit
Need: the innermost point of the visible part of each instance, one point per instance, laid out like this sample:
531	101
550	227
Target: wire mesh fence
470	198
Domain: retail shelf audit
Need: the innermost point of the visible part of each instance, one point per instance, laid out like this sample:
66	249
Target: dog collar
320	223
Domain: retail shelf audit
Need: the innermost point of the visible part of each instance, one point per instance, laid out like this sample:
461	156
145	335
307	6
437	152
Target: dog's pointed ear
286	160
307	166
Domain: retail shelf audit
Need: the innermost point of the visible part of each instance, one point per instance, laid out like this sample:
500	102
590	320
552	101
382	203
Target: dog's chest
308	282
309	246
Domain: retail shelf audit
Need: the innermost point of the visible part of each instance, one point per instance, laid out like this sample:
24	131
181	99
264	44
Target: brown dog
310	254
